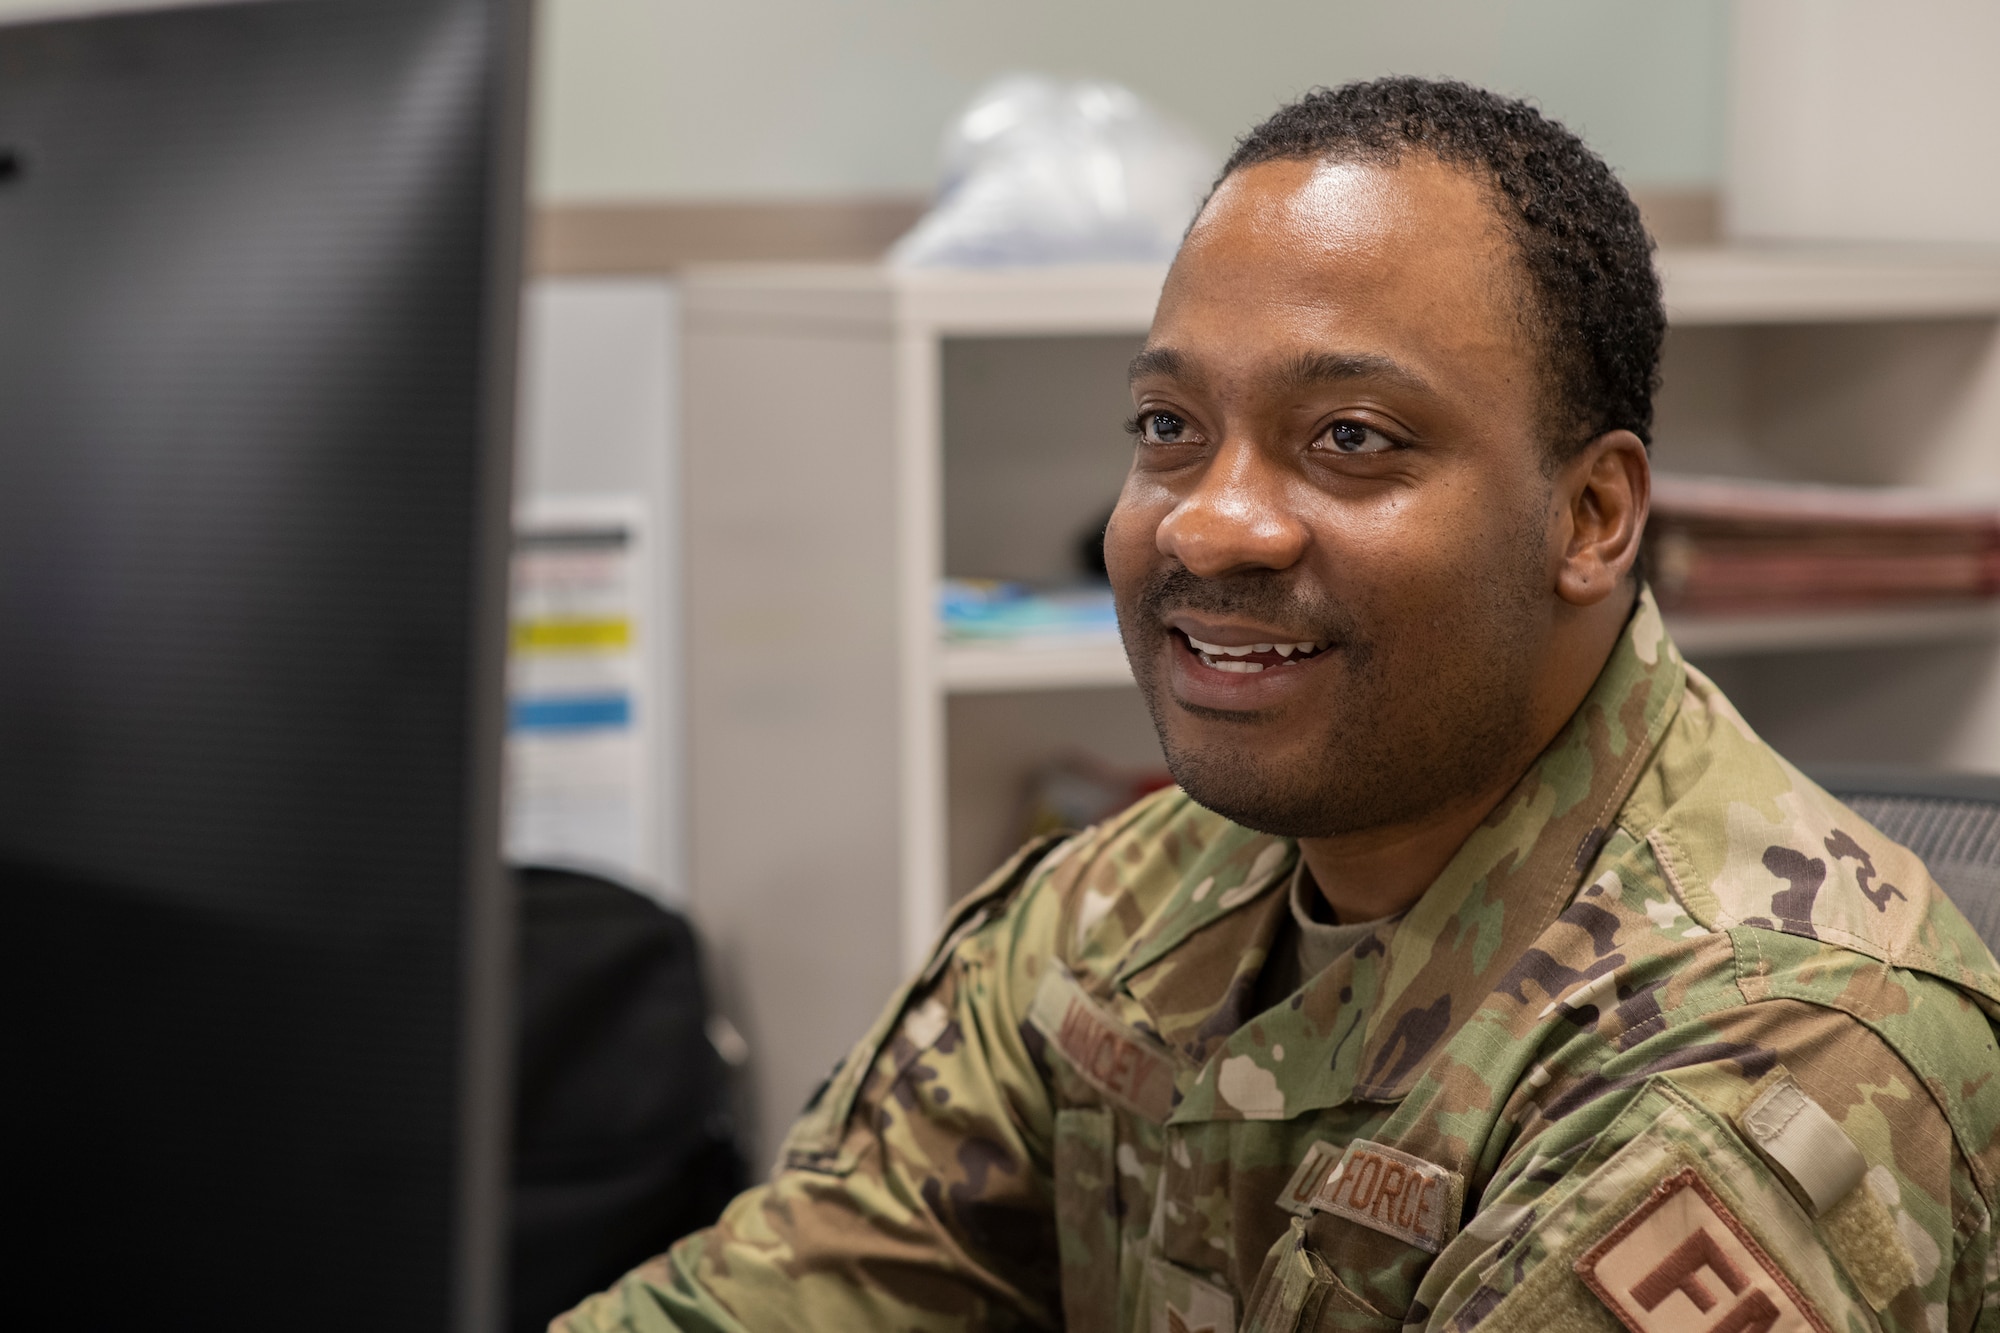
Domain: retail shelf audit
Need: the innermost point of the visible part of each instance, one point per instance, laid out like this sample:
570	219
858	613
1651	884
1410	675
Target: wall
791	99
783	99
599	436
1859	121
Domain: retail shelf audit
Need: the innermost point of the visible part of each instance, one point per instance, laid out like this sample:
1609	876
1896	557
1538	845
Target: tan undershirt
1306	943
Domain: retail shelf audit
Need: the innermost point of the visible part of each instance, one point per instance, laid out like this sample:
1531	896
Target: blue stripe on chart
570	712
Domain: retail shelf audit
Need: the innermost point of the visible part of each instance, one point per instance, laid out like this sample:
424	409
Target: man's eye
1349	437
1163	428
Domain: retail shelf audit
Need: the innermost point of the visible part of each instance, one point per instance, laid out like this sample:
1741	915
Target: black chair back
624	1136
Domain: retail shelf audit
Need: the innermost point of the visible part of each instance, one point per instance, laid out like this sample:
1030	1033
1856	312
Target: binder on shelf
1719	546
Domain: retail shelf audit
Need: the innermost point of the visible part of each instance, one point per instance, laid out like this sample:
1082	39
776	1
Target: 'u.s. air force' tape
1392	1192
1125	1065
1299	1190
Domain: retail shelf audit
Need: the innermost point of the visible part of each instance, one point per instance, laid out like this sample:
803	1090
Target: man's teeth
1223	656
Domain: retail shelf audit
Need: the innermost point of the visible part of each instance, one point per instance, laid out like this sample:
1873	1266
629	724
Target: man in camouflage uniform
1486	971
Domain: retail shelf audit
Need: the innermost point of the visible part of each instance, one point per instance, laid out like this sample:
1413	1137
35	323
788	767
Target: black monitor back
257	289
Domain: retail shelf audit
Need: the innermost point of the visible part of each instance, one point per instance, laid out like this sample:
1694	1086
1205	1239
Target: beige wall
788	99
1917	158
750	99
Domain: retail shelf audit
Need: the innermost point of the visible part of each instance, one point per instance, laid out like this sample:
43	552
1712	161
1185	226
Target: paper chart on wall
578	779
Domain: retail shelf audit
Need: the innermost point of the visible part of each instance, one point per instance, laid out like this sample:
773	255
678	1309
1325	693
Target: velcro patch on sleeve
1798	1136
1389	1190
1126	1066
1680	1262
1861	1231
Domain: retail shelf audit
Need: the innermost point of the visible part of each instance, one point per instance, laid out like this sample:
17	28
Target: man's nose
1236	518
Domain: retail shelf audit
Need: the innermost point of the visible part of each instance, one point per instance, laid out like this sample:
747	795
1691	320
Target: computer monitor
258	276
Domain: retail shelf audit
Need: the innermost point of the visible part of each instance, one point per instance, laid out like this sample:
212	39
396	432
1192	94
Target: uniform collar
1364	1029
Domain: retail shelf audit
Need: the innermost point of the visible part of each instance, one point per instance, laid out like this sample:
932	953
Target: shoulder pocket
1679	1181
819	1139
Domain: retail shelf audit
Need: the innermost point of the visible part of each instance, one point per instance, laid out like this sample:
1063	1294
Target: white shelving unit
854	434
978	668
964	669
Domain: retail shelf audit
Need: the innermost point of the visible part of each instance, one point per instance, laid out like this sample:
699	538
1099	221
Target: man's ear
1605	491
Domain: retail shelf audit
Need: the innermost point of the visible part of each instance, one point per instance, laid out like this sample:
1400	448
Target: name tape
1387	1189
1125	1066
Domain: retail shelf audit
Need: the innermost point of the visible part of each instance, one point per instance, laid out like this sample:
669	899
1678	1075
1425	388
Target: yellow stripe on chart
557	636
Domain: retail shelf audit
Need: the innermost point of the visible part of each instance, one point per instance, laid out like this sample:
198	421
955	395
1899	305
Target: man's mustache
1278	599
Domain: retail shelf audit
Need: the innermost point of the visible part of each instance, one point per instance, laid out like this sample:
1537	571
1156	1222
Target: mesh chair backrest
1952	822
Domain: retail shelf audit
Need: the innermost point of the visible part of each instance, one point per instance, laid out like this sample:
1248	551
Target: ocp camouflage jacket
1676	1042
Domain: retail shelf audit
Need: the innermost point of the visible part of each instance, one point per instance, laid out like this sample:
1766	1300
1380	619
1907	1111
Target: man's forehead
1300	207
1301	369
1329	200
1325	266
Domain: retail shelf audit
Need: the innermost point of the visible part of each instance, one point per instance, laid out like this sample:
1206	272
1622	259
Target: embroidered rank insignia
1126	1066
1387	1189
1298	1192
1682	1263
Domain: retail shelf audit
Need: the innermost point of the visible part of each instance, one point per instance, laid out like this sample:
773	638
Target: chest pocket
1354	1260
1299	1292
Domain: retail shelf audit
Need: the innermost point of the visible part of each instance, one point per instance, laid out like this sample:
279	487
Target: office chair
624	1138
1950	820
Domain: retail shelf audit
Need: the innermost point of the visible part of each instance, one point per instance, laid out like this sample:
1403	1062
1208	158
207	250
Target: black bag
624	1138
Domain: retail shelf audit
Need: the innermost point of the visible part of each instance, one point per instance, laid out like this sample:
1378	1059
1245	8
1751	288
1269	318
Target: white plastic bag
1043	171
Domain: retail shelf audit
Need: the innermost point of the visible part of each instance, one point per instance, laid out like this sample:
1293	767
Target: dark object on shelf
1743	547
624	1137
1090	546
1950	820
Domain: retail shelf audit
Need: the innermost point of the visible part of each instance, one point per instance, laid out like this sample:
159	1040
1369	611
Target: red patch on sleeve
1682	1263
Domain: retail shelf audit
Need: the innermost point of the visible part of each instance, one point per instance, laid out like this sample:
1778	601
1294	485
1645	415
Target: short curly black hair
1587	257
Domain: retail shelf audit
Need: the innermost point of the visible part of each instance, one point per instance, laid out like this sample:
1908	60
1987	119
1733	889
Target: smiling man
1484	970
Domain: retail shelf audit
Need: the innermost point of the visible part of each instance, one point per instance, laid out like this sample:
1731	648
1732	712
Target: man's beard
1405	735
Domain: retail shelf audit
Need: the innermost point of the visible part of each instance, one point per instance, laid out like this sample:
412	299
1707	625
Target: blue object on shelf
986	610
